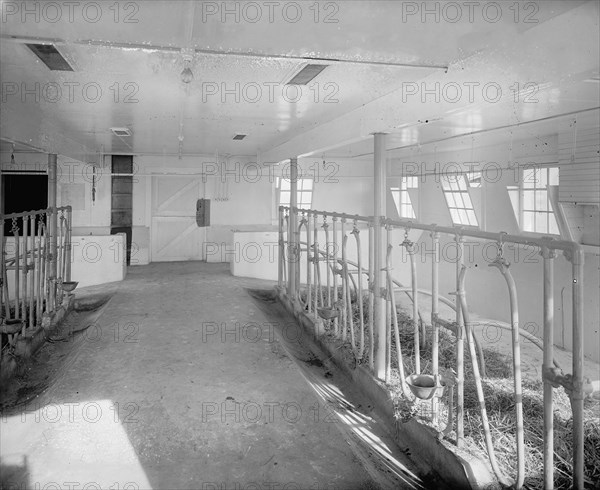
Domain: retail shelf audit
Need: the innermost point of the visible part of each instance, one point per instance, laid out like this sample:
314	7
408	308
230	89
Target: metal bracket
557	378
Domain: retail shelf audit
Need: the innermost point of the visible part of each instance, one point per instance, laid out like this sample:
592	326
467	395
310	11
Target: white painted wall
96	255
346	186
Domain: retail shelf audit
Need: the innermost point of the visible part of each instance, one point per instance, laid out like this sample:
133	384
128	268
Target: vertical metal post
379	249
298	248
24	271
16	235
316	264
2	259
308	262
460	349
415	302
40	264
292	250
435	238
336	323
577	394
281	263
390	305
52	185
32	269
548	256
371	289
69	248
346	301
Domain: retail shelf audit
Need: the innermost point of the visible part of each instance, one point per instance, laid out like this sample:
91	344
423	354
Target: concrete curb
26	347
456	467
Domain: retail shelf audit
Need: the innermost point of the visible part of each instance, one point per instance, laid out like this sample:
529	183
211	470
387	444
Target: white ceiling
143	60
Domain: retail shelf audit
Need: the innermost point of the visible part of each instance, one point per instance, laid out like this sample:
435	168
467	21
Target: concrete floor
180	383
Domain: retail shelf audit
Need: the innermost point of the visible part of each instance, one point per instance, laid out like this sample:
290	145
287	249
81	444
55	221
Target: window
305	191
474	179
458	200
402	198
536	209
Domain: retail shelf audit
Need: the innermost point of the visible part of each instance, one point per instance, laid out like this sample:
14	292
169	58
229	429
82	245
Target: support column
379	277
53	217
293	255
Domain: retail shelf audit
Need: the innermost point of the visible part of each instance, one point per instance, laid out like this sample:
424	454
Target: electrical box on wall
203	212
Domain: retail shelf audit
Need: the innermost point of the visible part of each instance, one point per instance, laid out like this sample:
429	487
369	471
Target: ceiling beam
212	52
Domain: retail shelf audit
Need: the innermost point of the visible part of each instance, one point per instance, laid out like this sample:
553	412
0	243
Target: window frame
283	186
404	201
454	193
540	193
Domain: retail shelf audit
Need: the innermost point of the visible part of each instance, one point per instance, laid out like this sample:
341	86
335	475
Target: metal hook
500	243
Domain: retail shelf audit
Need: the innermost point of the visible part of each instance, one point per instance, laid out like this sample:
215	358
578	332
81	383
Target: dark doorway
122	198
23	193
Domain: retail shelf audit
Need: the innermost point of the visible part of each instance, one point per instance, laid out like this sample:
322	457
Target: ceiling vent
50	57
239	137
306	74
121	131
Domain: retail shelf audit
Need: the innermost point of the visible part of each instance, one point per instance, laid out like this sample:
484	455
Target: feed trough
423	386
69	286
327	313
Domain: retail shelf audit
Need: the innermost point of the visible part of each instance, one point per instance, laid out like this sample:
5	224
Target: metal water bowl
327	313
69	286
423	386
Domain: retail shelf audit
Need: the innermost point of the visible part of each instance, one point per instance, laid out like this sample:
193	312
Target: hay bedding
498	391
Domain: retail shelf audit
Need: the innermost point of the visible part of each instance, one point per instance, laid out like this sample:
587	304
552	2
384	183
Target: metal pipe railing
336	321
460	349
478	384
356	232
503	267
435	238
371	289
463	327
548	257
28	294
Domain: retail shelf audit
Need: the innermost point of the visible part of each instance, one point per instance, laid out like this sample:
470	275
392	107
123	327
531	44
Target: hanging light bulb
186	75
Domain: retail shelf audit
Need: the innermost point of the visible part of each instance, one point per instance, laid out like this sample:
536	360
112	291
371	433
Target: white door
175	234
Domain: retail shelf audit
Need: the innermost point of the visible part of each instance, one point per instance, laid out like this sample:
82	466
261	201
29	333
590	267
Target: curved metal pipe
347	295
303	223
336	320
405	390
317	268
285	232
413	275
503	266
325	226
371	301
308	265
434	323
446	324
477	376
359	294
